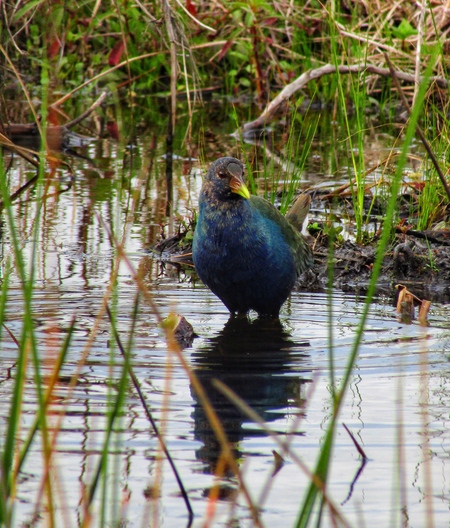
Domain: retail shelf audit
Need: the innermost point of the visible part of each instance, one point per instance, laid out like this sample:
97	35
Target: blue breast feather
248	254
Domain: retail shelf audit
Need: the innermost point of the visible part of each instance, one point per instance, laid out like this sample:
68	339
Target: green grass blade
324	459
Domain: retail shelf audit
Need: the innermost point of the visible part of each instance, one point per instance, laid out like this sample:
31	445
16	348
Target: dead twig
438	237
52	132
356	443
328	69
87	112
24	88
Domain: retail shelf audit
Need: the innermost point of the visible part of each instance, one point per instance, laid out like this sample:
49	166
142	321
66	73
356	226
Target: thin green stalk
428	200
113	414
6	447
304	148
324	459
48	394
25	448
16	399
27	340
28	286
357	160
330	277
109	483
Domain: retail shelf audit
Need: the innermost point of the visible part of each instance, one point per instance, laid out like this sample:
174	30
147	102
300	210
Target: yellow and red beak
236	181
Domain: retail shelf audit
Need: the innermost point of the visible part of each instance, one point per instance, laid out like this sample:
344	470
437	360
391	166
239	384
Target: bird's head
225	175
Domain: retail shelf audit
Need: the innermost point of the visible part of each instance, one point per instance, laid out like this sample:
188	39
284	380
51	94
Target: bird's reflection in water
262	365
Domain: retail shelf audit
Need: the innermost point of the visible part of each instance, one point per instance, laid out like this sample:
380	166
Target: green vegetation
241	49
63	54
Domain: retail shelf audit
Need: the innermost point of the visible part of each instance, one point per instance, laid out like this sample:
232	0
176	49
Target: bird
244	249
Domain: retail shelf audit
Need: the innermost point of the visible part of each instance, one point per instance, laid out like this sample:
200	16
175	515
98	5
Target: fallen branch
441	237
87	112
328	69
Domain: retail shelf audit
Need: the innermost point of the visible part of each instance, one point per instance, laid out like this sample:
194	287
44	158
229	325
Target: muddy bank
420	261
421	265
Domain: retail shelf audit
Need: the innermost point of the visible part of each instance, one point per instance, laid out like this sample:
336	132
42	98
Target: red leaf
116	53
53	48
84	21
418	186
224	49
269	21
53	117
113	129
191	8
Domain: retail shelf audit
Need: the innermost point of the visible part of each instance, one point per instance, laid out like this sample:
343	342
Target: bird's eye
222	174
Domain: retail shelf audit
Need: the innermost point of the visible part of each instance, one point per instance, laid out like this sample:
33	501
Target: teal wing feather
303	254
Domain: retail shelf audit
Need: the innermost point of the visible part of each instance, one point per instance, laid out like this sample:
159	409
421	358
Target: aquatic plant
254	49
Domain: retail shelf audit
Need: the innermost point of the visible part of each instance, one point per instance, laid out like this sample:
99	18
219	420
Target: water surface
397	405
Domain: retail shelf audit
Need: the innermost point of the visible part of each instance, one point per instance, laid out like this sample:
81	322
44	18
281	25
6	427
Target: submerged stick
31	129
364	460
27	154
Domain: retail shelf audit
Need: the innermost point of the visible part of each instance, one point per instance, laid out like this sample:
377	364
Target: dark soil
421	265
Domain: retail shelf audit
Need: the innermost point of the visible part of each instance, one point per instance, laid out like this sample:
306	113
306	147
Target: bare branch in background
289	90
